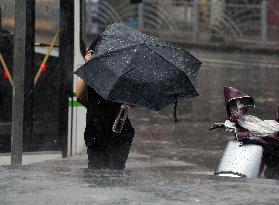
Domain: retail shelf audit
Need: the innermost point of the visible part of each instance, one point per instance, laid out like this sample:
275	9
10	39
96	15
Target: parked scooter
255	143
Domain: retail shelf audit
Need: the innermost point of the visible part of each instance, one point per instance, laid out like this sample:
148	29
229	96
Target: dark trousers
111	152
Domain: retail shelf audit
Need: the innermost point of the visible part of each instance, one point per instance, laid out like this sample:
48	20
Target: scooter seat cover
257	127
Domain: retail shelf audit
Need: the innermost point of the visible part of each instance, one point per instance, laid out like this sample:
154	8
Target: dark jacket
99	120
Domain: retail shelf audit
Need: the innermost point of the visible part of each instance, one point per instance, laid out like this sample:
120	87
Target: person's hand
89	55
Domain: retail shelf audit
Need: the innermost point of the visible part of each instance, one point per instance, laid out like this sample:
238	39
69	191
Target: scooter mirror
238	103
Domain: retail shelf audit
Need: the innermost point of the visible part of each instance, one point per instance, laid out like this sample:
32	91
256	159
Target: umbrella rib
117	50
165	59
160	55
173	65
129	70
123	74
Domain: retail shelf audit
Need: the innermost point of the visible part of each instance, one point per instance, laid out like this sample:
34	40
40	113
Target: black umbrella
133	68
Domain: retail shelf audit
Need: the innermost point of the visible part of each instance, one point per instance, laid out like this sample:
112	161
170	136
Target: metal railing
201	21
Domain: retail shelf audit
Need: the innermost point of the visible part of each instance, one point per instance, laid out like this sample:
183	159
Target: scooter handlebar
228	125
217	125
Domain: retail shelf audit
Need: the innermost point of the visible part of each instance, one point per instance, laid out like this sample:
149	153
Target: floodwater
78	186
169	163
189	139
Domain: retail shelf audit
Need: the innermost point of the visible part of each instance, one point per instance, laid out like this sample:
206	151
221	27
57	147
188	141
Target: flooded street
62	61
189	139
77	186
169	163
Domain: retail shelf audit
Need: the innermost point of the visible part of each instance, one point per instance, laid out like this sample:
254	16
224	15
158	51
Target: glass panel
47	20
46	94
45	109
6	61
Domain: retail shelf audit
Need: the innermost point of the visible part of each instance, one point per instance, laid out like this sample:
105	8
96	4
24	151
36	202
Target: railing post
264	24
196	19
140	16
0	17
217	15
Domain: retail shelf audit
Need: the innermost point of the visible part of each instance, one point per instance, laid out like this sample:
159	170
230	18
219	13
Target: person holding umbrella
130	67
139	70
105	149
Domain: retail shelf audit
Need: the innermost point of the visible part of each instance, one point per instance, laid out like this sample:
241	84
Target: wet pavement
169	163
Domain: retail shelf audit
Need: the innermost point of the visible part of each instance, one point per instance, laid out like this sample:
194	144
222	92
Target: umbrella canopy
133	68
